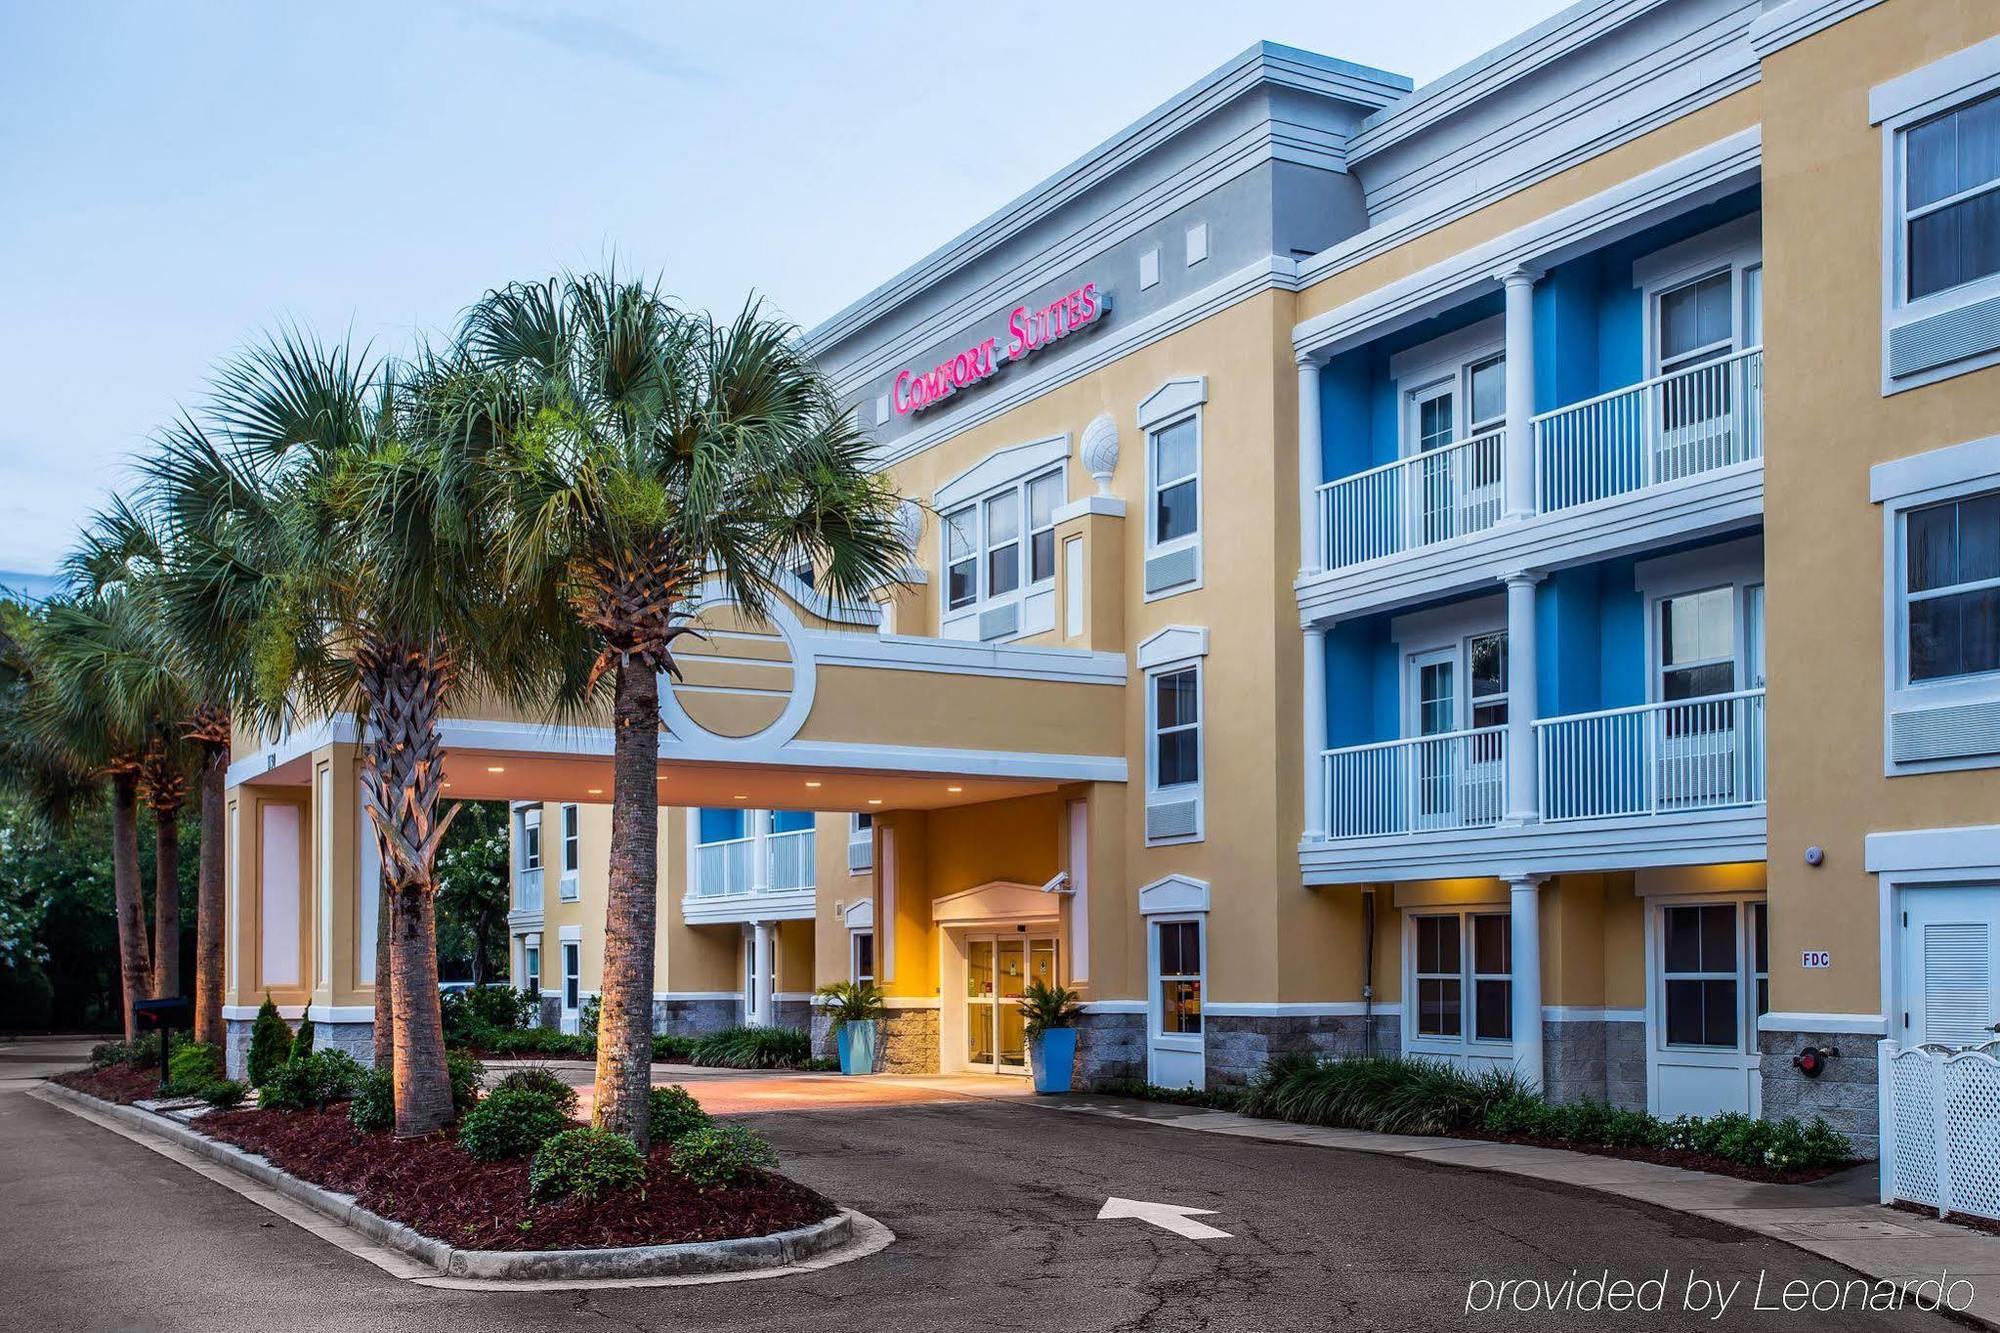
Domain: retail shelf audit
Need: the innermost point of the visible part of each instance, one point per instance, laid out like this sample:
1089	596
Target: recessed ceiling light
874	800
812	784
495	768
954	789
595	791
447	786
743	798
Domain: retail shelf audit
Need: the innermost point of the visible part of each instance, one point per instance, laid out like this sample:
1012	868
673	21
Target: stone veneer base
1846	1096
357	1039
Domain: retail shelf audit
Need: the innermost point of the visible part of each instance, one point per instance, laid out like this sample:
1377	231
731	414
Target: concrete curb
700	1258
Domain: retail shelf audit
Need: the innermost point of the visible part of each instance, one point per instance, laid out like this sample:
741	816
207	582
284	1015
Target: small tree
302	1040
270	1043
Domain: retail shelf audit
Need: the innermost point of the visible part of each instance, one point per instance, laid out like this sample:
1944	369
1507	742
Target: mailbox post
164	1016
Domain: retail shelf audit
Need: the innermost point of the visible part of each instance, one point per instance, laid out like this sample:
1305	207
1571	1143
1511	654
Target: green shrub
465	1072
753	1048
717	1154
225	1094
313	1083
544	1081
539	1041
373	1109
586	1162
1220	1099
586	1020
850	1002
108	1053
302	1040
270	1044
472	1017
672	1112
1044	1006
192	1067
1389	1095
511	1124
673	1049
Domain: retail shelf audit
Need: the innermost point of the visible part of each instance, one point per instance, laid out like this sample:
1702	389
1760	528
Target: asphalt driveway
995	1207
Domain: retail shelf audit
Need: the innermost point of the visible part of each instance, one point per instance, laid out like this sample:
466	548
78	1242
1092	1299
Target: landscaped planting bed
116	1083
433	1185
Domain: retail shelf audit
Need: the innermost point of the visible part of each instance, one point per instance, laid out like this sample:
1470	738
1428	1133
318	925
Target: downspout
1368	971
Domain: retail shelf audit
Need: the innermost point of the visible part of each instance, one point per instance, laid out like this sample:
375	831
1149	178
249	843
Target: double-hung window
572	961
862	957
531	969
531	839
1463	994
572	852
1176	728
961	557
1176	504
1940	128
1700	975
1952	589
1045	496
1179	977
1171	417
1001	545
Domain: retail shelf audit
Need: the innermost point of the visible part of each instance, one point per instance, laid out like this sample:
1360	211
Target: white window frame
531	838
1156	1000
1737	565
572	975
1957	472
531	966
1746	975
1444	629
1468	1042
1172	650
1418	372
1735	247
570	825
1174	403
854	972
750	973
1896	107
984	597
859	834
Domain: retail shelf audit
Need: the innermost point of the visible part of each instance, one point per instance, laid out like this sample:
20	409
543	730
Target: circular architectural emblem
747	684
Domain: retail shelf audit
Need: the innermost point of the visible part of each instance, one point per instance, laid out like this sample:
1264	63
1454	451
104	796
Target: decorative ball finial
1099	450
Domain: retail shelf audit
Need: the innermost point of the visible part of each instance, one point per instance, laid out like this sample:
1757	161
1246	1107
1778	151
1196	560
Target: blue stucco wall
719	825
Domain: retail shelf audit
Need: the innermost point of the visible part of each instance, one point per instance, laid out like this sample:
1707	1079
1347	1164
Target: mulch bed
433	1186
118	1083
1687	1161
1991	1226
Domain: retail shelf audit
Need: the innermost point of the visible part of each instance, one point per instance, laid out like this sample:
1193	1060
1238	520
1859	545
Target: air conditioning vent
1943	338
1917	734
1172	569
860	855
1173	819
998	622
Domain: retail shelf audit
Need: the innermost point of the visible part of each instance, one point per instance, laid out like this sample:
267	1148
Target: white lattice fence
1941	1126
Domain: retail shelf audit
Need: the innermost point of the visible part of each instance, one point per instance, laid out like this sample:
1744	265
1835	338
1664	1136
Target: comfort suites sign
1029	330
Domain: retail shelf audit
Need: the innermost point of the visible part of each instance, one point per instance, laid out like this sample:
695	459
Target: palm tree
369	593
642	452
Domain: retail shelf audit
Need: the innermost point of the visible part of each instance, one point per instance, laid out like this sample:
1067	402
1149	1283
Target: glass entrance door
998	968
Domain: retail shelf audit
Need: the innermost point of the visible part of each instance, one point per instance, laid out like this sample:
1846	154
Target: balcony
526	909
1419	501
768	875
1670	783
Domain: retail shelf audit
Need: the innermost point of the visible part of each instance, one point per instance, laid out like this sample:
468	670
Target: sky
177	178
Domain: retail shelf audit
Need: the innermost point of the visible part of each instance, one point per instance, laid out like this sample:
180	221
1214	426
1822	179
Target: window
572	845
1179	944
1044	498
531	969
861	960
1698	644
1486	390
1440	985
751	981
1952	588
1696	322
987	551
1487	655
1760	946
1700	975
1176	700
1951	198
1176	497
1464	994
860	843
531	840
572	961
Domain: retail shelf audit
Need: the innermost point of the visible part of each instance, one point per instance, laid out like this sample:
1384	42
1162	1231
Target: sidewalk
1837	1218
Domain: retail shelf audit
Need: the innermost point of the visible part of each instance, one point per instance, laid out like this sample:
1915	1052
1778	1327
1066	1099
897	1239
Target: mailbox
164	1016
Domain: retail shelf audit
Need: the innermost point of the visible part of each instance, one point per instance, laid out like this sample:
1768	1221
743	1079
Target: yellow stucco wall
1827	423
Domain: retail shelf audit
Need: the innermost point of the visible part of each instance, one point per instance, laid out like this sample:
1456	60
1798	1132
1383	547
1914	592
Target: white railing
1659	430
1941	1126
729	868
791	860
527	889
1692	754
1416	501
1456	780
722	869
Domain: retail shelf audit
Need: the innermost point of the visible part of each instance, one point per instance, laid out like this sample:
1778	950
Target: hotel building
1506	571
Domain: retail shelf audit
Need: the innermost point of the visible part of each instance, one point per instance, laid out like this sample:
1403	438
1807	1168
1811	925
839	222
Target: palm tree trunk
385	1009
167	901
423	1087
631	916
135	966
209	889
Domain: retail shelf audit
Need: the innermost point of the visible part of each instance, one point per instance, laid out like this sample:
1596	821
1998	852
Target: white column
760	995
1310	470
760	851
1524	893
1314	677
1523	798
1519	282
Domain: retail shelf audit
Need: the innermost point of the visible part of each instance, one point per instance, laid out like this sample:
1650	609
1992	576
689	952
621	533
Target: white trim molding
1173	644
1864	1025
1970	848
999	468
1174	895
1795	20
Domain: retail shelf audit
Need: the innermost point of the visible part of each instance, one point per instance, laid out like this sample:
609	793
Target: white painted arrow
1168	1216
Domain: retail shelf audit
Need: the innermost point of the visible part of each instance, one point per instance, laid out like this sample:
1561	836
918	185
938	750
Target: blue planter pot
857	1046
1052	1054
